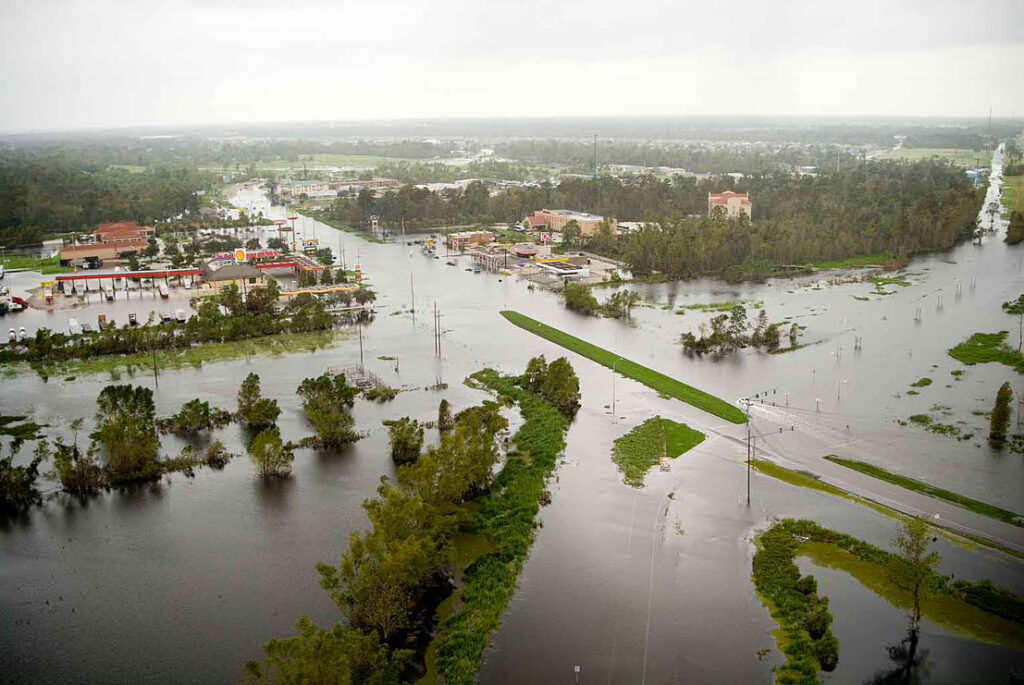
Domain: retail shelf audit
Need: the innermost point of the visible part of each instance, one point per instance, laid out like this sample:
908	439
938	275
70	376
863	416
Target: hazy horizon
117	64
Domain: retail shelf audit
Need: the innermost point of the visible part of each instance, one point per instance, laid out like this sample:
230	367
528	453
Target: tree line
43	196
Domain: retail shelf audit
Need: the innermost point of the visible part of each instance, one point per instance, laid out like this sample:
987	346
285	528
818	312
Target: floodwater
185	580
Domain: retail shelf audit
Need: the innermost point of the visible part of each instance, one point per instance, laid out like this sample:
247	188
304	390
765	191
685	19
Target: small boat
179	316
165	317
476	269
110	295
48	295
133	320
86	328
74	327
450	263
162	288
187	283
17	304
468	269
101	321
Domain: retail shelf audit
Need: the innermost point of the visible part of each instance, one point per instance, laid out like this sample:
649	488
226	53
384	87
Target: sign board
239	256
545	237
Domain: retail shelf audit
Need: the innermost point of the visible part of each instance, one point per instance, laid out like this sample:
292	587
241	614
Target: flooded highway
184	580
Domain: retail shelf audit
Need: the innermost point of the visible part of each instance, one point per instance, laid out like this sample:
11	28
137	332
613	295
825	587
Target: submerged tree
254	410
406	436
325	400
1000	421
271	457
912	567
18	483
126	427
445	421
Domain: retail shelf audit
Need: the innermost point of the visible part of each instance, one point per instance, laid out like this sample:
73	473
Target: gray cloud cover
75	64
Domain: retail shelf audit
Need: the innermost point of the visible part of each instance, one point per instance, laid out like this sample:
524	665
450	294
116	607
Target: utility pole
595	156
156	376
359	327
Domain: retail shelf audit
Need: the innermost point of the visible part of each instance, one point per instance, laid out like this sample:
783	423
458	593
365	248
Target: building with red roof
734	204
123	232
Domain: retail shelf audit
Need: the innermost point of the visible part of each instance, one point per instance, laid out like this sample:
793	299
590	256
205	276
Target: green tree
324	401
445	421
126	427
912	567
18	483
536	374
571	233
269	454
78	473
999	423
254	410
579	298
341	656
406	436
562	387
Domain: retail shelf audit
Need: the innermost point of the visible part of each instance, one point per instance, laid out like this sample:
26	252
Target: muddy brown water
183	581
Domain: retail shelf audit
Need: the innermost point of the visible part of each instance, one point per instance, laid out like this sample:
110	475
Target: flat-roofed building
734	204
556	220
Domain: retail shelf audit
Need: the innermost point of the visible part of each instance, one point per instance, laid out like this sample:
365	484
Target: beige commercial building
556	219
734	204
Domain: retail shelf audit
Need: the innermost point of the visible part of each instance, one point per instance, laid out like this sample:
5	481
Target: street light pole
614	364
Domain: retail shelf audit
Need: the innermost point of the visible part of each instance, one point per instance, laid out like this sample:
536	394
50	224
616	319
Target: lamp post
614	364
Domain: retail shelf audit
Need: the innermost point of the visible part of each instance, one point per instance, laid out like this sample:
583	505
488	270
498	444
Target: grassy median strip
974	505
649	377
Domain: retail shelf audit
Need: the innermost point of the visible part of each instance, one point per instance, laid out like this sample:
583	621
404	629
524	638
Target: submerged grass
982	348
974	505
644	446
878	259
649	377
208	353
507	516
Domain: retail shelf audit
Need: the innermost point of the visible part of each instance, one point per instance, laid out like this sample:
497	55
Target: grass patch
974	505
963	157
726	306
649	377
921	382
1013	193
982	348
644	446
881	281
800	479
50	265
209	353
879	259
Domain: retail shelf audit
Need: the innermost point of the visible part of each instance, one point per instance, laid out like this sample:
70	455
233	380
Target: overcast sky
99	63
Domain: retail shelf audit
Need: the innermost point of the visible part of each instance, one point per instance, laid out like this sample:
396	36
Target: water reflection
910	663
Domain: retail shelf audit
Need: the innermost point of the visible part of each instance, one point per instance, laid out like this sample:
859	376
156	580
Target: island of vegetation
650	442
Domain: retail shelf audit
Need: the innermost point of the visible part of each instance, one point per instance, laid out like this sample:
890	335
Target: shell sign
239	256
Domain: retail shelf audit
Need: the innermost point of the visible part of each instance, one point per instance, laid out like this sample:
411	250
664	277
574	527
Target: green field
968	158
974	505
649	377
1013	193
44	266
644	446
